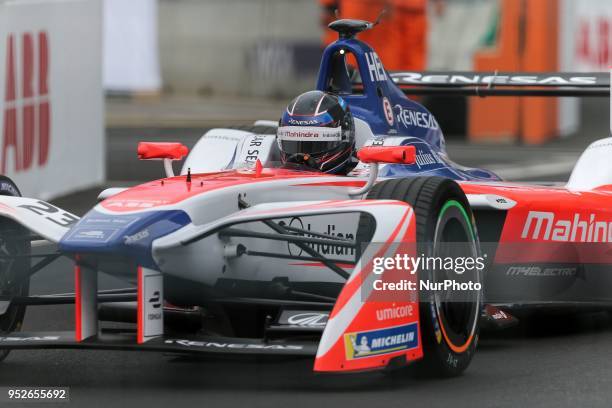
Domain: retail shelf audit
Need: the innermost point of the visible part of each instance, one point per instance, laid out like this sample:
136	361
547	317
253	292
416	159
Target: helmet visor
308	139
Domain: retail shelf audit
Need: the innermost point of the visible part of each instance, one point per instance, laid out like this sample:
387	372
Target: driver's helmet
317	131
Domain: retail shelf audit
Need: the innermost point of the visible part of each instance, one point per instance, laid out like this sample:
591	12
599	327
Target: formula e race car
239	255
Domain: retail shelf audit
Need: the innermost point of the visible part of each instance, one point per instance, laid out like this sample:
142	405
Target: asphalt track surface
547	361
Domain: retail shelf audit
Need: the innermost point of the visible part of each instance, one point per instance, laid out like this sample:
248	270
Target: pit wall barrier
51	99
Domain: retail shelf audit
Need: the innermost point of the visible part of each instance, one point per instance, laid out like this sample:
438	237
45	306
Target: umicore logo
543	225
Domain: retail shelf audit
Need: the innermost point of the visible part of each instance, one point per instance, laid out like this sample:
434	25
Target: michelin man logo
381	341
362	348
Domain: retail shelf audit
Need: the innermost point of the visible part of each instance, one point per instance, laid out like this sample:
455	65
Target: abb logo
27	110
595	42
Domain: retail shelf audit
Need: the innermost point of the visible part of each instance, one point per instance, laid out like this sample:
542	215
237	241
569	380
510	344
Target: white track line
521	171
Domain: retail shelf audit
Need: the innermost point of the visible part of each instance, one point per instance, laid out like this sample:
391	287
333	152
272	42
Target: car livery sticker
381	341
388	109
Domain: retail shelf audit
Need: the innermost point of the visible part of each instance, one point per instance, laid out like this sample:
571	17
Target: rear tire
13	241
449	329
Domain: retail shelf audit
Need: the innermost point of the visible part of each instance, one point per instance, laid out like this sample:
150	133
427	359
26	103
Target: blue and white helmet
317	130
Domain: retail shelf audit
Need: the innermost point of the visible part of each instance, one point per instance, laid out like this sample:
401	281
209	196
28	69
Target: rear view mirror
155	150
375	155
387	154
162	151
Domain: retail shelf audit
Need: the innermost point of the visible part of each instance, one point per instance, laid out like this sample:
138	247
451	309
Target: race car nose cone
129	235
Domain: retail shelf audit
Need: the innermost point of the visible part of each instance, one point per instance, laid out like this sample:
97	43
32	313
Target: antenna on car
349	28
382	13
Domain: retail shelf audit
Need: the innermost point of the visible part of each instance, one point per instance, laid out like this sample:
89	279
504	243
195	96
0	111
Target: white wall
243	47
583	46
593	41
131	60
70	31
452	40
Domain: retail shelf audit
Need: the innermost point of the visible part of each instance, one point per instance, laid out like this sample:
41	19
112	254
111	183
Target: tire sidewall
449	362
9	188
428	196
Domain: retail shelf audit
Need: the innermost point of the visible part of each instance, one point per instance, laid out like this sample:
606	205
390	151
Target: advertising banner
593	33
51	99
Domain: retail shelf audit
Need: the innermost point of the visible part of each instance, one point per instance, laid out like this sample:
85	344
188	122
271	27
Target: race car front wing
190	345
352	315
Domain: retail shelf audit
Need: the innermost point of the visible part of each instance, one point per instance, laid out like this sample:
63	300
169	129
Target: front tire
444	227
13	242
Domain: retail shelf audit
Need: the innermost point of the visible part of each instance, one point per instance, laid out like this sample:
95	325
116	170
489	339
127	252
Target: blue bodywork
390	113
129	235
